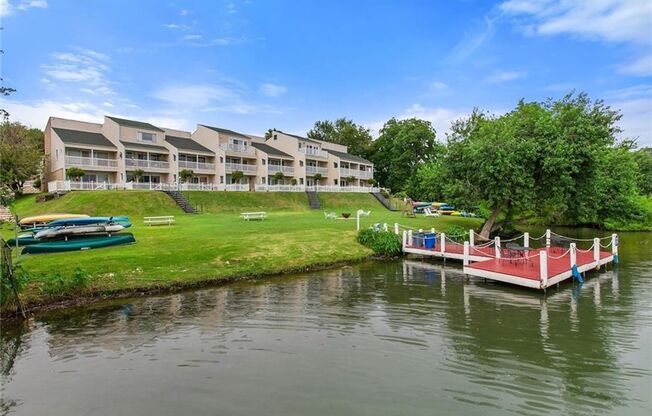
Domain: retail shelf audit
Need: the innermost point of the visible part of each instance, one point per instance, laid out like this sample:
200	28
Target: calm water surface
405	337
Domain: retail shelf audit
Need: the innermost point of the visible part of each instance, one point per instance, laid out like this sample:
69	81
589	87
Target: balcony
365	174
313	152
357	173
278	168
238	149
186	164
246	169
91	162
146	164
311	170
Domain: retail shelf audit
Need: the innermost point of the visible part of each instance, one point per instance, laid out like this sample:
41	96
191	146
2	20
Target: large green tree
643	158
343	131
402	147
21	155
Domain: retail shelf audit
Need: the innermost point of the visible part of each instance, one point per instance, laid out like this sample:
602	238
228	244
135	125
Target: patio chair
428	213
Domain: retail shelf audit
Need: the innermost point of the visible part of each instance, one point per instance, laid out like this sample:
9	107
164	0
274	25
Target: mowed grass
210	247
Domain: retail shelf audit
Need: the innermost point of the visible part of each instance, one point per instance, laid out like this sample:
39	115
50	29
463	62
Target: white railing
278	168
232	167
365	174
280	188
311	170
187	164
91	162
313	152
59	186
237	187
155	164
238	148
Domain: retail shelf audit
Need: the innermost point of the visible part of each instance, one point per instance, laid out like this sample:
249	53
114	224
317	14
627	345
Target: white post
396	228
471	238
385	227
405	237
497	246
614	244
442	243
543	269
573	254
526	239
596	249
432	230
357	221
420	230
547	238
410	237
466	253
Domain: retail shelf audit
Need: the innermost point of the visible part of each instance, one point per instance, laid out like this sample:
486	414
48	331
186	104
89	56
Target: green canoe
79	244
23	241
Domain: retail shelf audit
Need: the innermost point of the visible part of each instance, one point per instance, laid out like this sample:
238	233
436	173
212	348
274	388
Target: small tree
75	173
137	174
350	180
293	182
186	174
317	177
372	182
279	176
237	175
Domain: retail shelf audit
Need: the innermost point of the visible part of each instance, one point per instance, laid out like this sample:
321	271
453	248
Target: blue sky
253	65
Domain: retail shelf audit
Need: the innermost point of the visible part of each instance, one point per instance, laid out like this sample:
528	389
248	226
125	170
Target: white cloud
438	86
184	12
175	26
86	68
483	31
231	9
640	67
192	37
272	90
36	113
195	95
6	8
505	76
635	103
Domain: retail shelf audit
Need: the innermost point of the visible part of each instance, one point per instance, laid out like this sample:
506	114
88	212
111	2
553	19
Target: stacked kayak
64	232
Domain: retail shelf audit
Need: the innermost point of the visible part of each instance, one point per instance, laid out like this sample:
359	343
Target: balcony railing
93	162
187	164
278	168
362	174
238	148
237	187
365	174
232	167
313	152
311	170
147	164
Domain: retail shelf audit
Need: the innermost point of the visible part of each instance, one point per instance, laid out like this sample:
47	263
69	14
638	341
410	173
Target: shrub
37	183
75	173
383	243
385	193
21	278
293	181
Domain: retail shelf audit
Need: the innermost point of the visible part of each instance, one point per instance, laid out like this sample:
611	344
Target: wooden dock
526	266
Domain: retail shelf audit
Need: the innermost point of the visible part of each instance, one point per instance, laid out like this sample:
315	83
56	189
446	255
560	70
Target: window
221	159
275	137
146	137
174	177
335	165
301	181
264	180
221	178
299	145
301	163
56	154
263	161
174	157
335	181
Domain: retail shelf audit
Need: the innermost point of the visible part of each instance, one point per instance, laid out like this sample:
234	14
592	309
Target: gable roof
83	137
226	131
134	123
270	150
134	145
186	144
349	158
298	137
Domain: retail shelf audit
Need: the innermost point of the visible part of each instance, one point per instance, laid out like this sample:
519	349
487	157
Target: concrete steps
313	200
384	201
181	201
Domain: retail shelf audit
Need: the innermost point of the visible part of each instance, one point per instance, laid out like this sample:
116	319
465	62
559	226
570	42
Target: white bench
254	215
165	219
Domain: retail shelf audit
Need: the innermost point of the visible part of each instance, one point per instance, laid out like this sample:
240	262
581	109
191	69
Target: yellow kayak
40	219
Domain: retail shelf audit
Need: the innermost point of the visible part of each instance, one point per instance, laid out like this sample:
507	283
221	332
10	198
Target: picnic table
160	220
259	215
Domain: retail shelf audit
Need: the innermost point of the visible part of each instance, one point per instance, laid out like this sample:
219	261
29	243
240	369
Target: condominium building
121	153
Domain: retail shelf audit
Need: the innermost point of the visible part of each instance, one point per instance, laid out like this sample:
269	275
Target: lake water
396	338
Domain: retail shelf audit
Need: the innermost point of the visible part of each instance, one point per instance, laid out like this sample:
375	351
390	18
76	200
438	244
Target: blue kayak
89	221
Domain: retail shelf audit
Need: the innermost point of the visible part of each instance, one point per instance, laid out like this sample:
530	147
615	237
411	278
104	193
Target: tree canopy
343	131
21	155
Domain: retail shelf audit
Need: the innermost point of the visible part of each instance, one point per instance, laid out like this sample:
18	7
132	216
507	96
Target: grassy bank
211	247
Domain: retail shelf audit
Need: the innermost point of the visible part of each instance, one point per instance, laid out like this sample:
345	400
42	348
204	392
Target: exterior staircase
181	201
5	214
384	201
313	200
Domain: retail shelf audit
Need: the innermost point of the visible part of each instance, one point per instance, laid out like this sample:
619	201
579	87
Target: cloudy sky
255	64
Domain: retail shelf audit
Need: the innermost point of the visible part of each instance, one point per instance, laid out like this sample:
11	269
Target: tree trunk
488	225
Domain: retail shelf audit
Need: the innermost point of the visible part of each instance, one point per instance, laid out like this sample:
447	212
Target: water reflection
380	338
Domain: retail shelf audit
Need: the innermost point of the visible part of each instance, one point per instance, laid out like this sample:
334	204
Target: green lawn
216	245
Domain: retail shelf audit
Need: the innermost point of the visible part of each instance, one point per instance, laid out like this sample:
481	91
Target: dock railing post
497	246
471	238
404	239
466	253
410	240
442	243
547	238
614	244
596	251
573	255
543	269
396	228
526	239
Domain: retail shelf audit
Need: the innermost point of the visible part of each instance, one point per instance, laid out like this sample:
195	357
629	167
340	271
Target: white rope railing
579	239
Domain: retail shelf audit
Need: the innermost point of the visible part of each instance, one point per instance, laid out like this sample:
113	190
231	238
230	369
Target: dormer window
146	137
